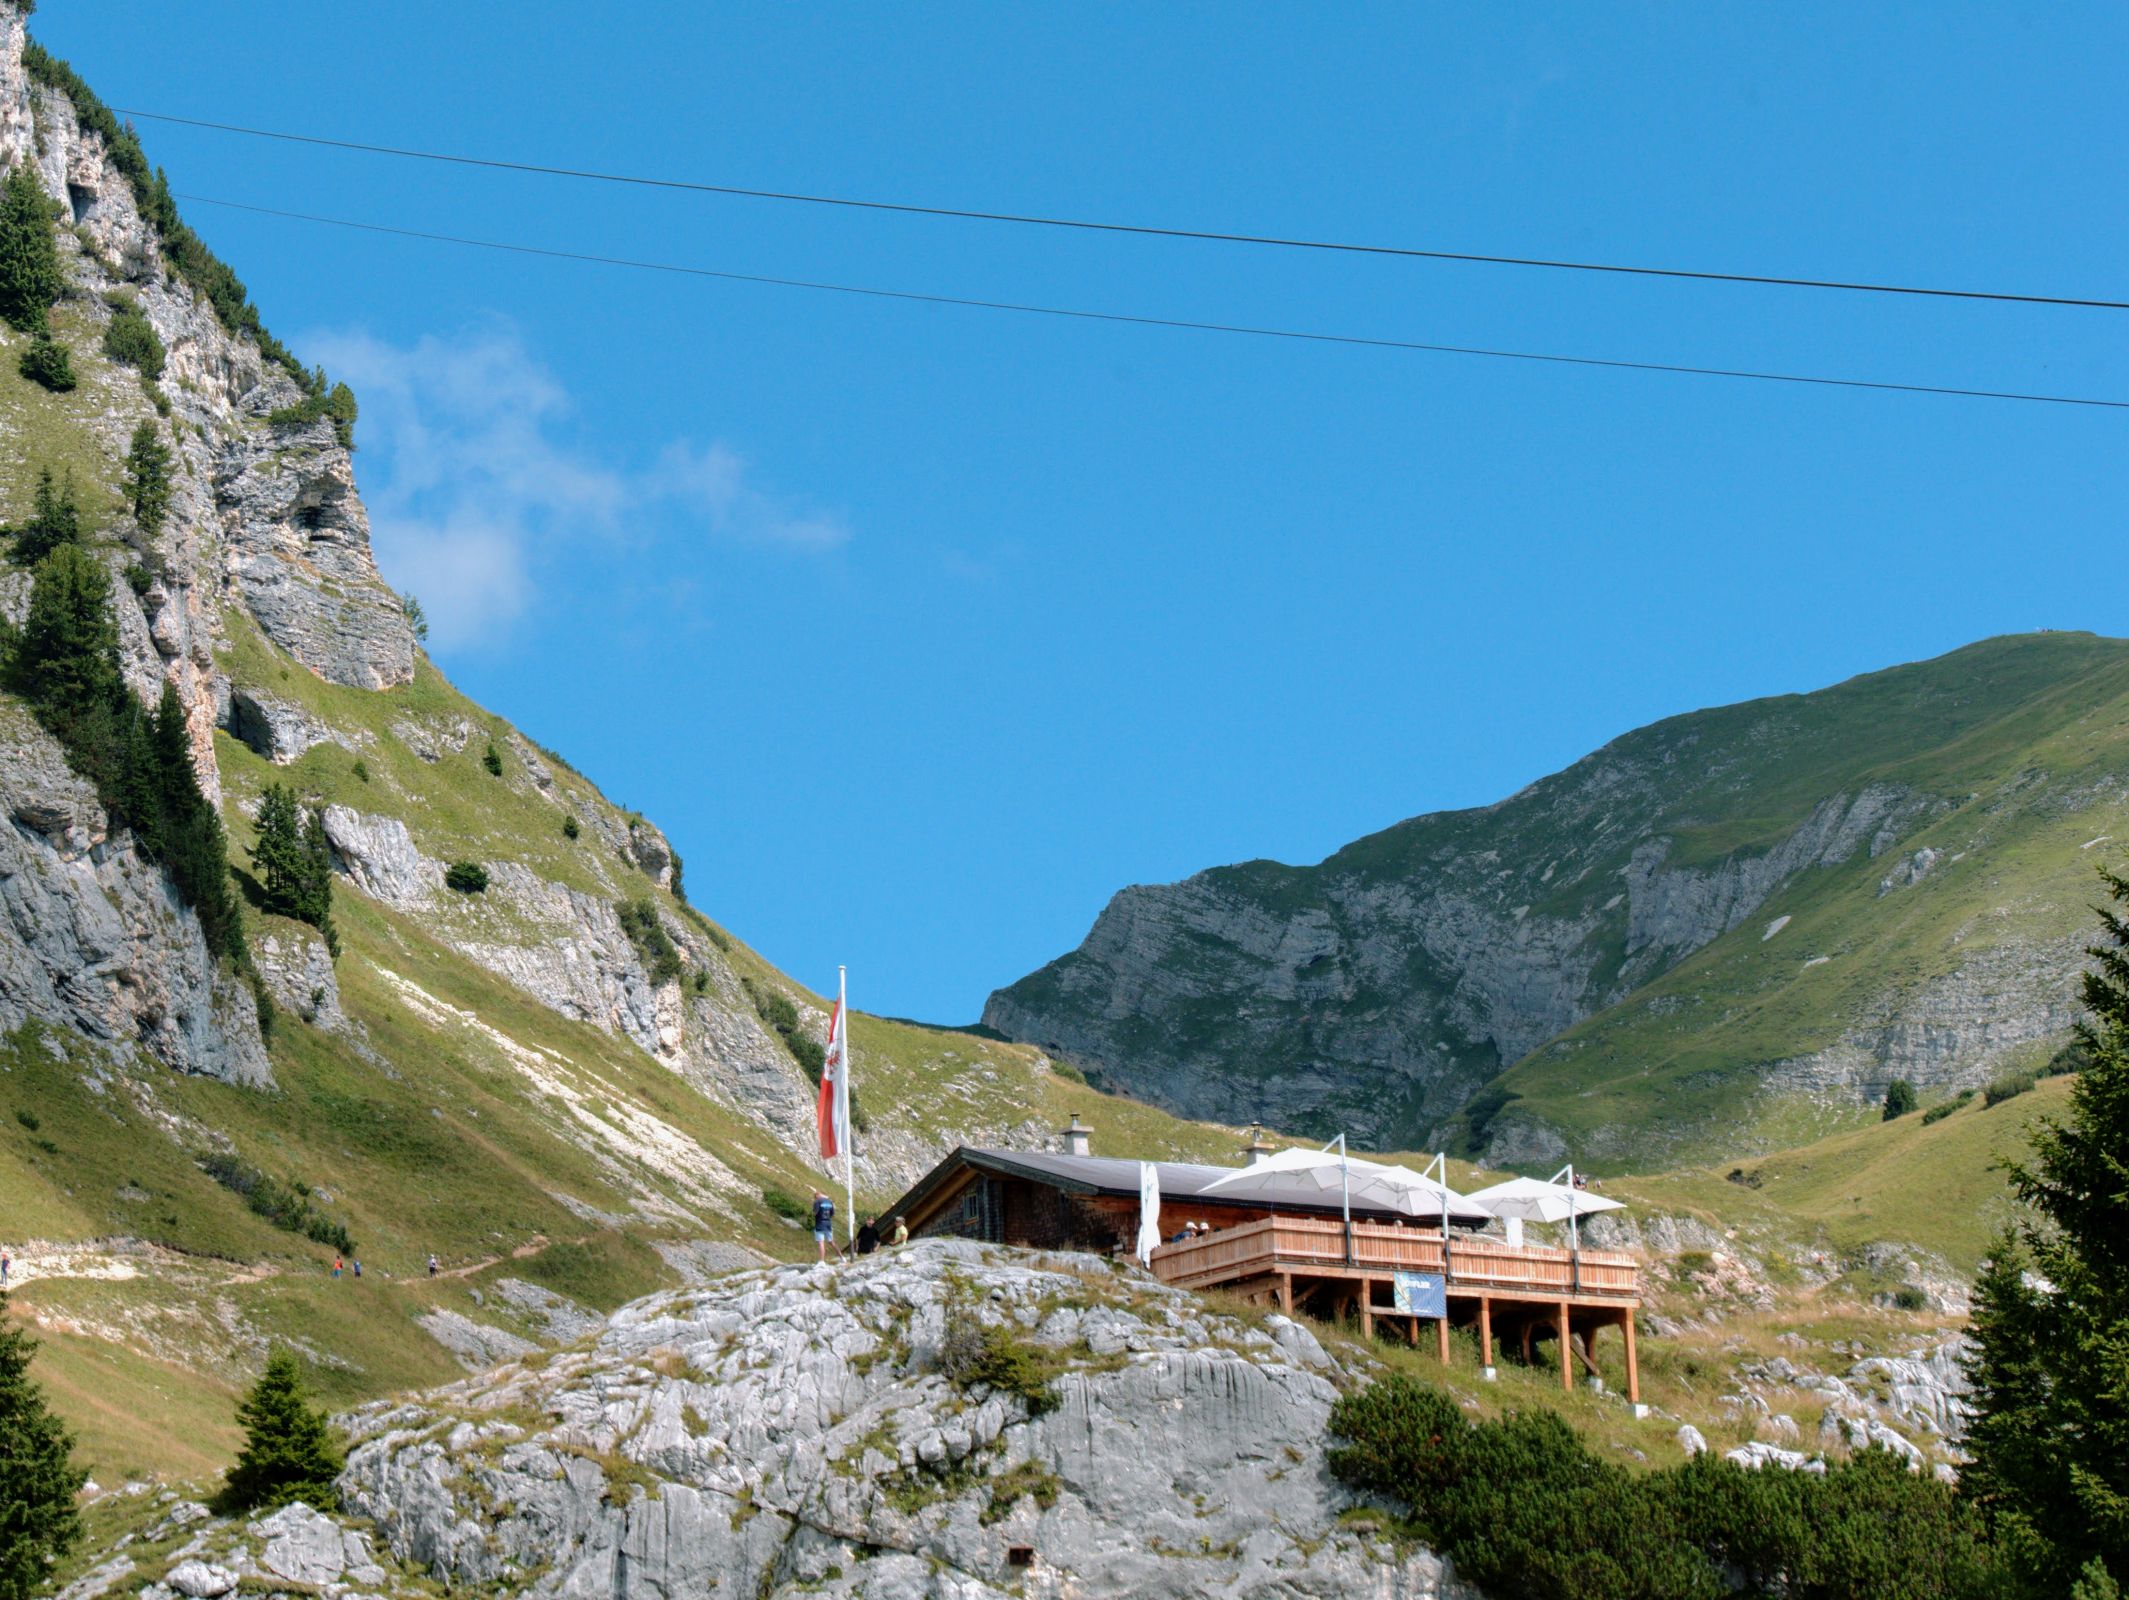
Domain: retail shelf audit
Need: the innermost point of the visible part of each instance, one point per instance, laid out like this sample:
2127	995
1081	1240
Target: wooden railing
1478	1261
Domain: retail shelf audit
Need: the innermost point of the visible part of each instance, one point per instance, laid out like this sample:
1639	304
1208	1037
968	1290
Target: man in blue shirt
823	1223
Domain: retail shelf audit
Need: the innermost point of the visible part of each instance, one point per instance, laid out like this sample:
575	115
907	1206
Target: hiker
358	1266
432	1264
869	1236
823	1223
900	1233
7	1265
336	1266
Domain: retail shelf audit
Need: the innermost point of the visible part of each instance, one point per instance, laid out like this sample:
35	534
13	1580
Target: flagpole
842	1087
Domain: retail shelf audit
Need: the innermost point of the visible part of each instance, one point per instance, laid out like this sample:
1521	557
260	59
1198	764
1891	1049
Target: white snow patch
1773	928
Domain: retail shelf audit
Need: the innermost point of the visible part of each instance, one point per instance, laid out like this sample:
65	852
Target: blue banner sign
1422	1294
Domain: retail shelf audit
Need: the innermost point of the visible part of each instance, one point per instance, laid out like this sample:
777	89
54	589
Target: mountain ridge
1386	987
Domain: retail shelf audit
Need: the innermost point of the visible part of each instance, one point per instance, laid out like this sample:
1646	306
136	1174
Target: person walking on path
869	1236
823	1223
433	1265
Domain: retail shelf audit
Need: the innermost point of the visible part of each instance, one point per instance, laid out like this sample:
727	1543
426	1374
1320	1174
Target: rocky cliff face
92	937
1378	991
263	518
820	1430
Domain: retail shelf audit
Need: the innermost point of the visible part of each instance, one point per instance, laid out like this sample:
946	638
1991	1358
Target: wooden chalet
1289	1247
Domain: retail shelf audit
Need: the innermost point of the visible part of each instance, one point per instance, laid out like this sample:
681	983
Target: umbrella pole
1574	1227
1345	1197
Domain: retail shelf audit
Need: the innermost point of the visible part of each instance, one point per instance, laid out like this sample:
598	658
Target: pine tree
318	880
2050	1371
289	1451
278	855
38	1478
30	278
55	521
295	863
194	851
148	479
1899	1099
66	657
47	362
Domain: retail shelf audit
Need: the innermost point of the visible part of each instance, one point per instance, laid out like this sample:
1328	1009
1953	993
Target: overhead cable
1186	324
1206	235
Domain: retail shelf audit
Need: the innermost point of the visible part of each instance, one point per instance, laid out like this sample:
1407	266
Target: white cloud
714	481
472	481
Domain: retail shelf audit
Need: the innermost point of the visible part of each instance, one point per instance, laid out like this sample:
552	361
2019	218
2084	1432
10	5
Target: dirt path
531	1247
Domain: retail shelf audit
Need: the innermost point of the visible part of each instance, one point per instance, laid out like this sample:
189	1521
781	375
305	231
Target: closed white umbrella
1149	1212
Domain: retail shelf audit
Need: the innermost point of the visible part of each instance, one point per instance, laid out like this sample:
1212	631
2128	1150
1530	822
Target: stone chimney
1075	1137
1257	1150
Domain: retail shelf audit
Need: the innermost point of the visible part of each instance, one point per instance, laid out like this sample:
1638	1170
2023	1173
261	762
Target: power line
1086	225
1077	314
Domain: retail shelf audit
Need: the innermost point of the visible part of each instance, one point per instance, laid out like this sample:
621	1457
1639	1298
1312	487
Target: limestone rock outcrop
94	939
801	1430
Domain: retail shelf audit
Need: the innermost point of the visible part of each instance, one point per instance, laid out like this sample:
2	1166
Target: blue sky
923	630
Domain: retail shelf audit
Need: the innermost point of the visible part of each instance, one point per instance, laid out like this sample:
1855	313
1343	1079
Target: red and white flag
832	1110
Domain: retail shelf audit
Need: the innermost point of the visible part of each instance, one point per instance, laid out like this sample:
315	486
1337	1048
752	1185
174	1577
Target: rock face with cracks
797	1430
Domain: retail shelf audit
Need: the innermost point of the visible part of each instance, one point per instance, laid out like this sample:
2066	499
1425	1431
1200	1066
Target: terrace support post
1567	1352
1633	1368
1485	1332
1441	1335
1286	1294
1367	1311
1412	1333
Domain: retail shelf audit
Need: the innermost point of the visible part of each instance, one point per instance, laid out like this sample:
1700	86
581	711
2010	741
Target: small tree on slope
2050	1434
30	278
38	1478
289	1452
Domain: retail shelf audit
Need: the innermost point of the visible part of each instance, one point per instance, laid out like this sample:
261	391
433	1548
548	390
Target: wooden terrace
1523	1292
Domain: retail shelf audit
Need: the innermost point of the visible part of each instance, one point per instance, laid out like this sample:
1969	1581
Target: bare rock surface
796	1431
93	938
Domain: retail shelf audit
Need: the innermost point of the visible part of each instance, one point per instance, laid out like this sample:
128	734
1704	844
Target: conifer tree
47	362
2050	1435
295	863
278	855
194	851
30	278
289	1451
55	521
148	479
66	658
38	1478
318	880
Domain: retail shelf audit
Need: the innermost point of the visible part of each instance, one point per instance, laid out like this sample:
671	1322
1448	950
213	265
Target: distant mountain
1725	931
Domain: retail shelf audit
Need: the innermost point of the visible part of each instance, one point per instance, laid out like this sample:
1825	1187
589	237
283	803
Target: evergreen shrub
289	1452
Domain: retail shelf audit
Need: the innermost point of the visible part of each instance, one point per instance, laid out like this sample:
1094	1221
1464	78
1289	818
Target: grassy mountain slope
1585	967
1774	1033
